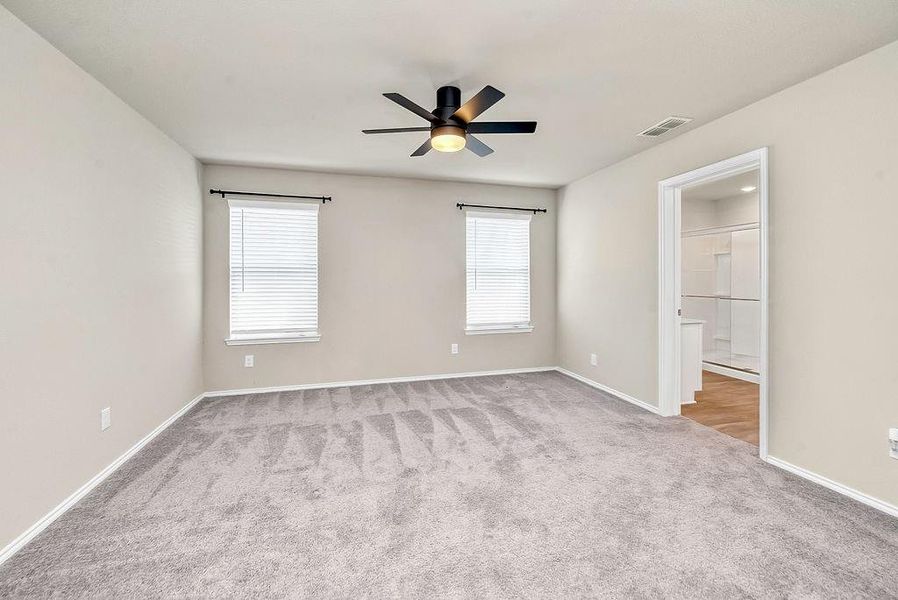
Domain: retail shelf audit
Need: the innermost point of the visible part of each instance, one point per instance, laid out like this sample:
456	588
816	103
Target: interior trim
489	330
835	486
272	340
669	293
29	534
612	391
18	543
60	509
336	384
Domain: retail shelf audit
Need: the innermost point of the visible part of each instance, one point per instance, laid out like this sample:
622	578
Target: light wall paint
833	143
101	238
391	282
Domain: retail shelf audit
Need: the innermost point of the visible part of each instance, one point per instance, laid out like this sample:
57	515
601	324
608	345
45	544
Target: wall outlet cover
893	442
249	360
454	349
593	360
105	418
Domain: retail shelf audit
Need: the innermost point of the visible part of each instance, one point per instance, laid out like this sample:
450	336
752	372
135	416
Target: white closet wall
721	277
745	328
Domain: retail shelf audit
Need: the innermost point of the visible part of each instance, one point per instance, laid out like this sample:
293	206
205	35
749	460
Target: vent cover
664	126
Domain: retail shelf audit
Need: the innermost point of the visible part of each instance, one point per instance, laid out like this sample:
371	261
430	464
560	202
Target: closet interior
720	284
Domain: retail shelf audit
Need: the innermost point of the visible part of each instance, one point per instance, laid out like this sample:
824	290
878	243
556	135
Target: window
498	273
274	272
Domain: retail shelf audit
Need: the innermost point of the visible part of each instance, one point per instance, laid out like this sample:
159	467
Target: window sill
253	341
491	330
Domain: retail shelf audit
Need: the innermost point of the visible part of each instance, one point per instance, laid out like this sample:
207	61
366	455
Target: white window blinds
498	272
274	270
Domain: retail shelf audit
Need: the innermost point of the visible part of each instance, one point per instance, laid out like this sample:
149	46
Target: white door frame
669	277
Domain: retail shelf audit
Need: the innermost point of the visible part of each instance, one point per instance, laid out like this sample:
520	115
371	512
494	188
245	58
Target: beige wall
833	279
392	282
100	236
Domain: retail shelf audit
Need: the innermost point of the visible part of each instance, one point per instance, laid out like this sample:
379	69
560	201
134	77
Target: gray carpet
516	486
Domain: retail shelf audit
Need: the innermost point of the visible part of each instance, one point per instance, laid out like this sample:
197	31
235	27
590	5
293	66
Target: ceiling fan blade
503	127
423	149
481	101
396	130
477	147
409	105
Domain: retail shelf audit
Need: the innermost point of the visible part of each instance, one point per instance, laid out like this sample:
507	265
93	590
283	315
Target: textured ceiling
293	83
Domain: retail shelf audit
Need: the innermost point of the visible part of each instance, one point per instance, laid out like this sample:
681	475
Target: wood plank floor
728	405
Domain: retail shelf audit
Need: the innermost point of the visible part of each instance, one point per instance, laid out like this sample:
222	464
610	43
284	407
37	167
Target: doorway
713	234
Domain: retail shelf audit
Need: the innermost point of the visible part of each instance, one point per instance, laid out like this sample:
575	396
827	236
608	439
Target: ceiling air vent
664	126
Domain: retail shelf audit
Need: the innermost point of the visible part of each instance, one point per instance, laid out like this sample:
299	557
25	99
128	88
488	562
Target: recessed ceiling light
749	188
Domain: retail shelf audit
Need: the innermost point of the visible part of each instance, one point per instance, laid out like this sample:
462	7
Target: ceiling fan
451	123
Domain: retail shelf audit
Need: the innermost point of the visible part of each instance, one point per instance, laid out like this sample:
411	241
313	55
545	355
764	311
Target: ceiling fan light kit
447	138
451	123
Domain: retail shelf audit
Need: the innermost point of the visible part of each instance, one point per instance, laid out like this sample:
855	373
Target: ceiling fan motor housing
448	101
442	135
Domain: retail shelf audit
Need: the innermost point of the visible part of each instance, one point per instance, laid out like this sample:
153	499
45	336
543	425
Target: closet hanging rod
718	230
521	208
721	297
264	195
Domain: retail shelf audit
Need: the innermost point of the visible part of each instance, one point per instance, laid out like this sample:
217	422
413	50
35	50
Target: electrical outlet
893	442
593	360
249	360
105	418
454	349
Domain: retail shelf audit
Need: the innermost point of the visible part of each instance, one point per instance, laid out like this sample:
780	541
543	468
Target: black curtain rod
533	210
233	193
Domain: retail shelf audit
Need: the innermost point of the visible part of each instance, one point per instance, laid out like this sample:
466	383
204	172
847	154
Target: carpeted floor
517	486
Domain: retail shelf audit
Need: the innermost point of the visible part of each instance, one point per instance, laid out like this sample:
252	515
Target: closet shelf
721	297
718	230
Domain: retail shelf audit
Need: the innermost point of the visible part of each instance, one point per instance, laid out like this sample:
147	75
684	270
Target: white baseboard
66	504
612	391
73	499
852	493
336	384
15	545
734	373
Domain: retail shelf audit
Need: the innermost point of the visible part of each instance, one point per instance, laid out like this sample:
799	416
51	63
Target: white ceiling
721	188
293	83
